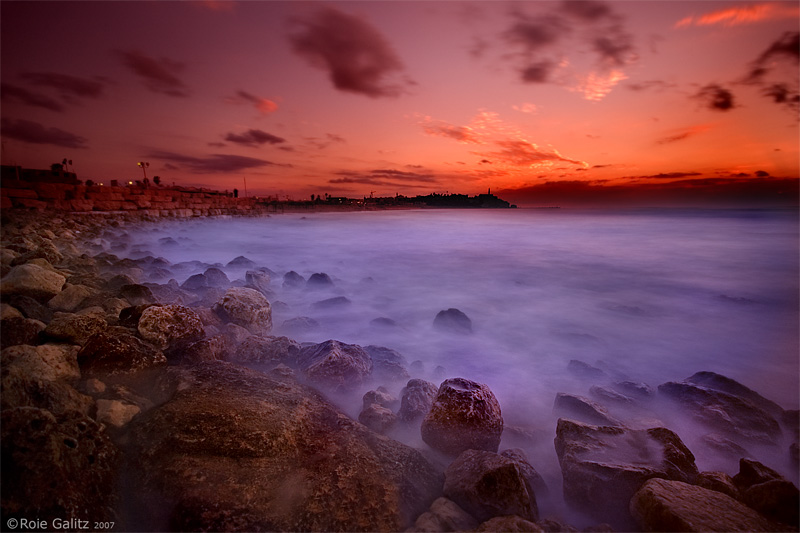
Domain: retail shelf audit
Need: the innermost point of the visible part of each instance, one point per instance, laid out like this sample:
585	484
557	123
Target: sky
545	103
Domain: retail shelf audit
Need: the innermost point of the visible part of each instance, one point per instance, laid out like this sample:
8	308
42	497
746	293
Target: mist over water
646	295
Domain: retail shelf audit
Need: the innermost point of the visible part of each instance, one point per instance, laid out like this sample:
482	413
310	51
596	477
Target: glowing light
741	15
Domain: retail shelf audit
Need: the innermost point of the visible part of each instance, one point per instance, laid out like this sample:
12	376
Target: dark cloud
533	34
587	10
787	46
762	173
357	57
214	163
385	177
158	75
69	87
655	85
615	48
538	72
716	97
254	138
665	176
330	138
463	134
12	93
35	133
769	71
264	105
782	94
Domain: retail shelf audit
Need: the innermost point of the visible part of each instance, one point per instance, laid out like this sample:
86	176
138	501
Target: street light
144	165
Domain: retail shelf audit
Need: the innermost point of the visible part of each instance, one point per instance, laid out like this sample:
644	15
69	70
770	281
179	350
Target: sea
644	295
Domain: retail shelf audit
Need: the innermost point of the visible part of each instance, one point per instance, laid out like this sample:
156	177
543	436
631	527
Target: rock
387	364
380	397
640	391
138	294
293	280
535	481
377	418
247	308
31	308
509	524
217	278
724	412
204	456
777	499
319	280
236	333
241	262
583	409
453	321
669	505
7	311
335	364
70	298
257	280
18	330
56	467
50	362
129	316
585	370
753	473
269	349
195	282
416	399
606	394
107	354
445	515
712	380
383	322
722	447
46	251
216	347
300	324
118	281
332	303
75	329
167	325
487	485
719	482
464	416
115	413
33	281
603	466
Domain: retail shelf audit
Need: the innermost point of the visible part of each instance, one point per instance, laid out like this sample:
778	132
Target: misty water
645	295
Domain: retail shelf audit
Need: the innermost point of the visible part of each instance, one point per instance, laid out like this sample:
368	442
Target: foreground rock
107	354
168	325
465	416
205	455
445	515
56	467
769	493
664	505
603	466
335	364
33	281
247	308
487	485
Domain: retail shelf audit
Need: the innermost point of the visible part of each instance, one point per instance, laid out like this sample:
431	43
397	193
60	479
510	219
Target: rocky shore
136	403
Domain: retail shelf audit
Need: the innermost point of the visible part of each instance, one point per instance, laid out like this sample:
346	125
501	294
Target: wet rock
668	505
129	316
195	282
7	311
18	330
335	364
115	283
752	472
217	278
383	322
216	347
332	303
487	485
387	364
31	308
258	280
166	325
241	262
585	370
236	333
31	280
509	524
300	324
236	427
138	294
712	380
109	354
535	481
320	280
49	362
720	482
777	499
583	409
603	466
57	397
247	308
70	298
725	412
46	251
453	321
56	467
380	397
269	349
445	515
115	413
377	418
606	394
75	329
293	280
416	399
464	416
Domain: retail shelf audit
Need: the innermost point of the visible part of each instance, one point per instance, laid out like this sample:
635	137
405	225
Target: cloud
775	70
330	138
19	94
35	133
69	87
254	138
665	176
158	75
683	134
214	163
595	86
615	48
716	97
586	10
538	72
527	107
655	85
735	16
462	134
357	57
385	177
523	153
264	105
535	33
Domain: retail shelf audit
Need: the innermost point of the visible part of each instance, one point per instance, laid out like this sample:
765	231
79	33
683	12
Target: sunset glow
543	102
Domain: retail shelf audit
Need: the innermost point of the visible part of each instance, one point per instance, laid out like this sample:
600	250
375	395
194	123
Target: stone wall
153	201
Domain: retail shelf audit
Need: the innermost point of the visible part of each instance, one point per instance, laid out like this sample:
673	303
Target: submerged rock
204	456
335	364
387	363
583	409
452	320
603	466
293	280
464	416
320	280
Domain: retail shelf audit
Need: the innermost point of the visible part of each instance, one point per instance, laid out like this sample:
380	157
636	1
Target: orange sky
354	98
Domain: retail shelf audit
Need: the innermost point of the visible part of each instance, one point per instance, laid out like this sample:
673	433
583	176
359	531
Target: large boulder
269	349
247	308
17	330
70	298
712	380
669	505
56	467
416	399
486	485
734	415
335	364
237	449
452	320
33	281
769	493
445	515
50	362
464	416
167	325
75	329
583	409
387	364
603	466
108	354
